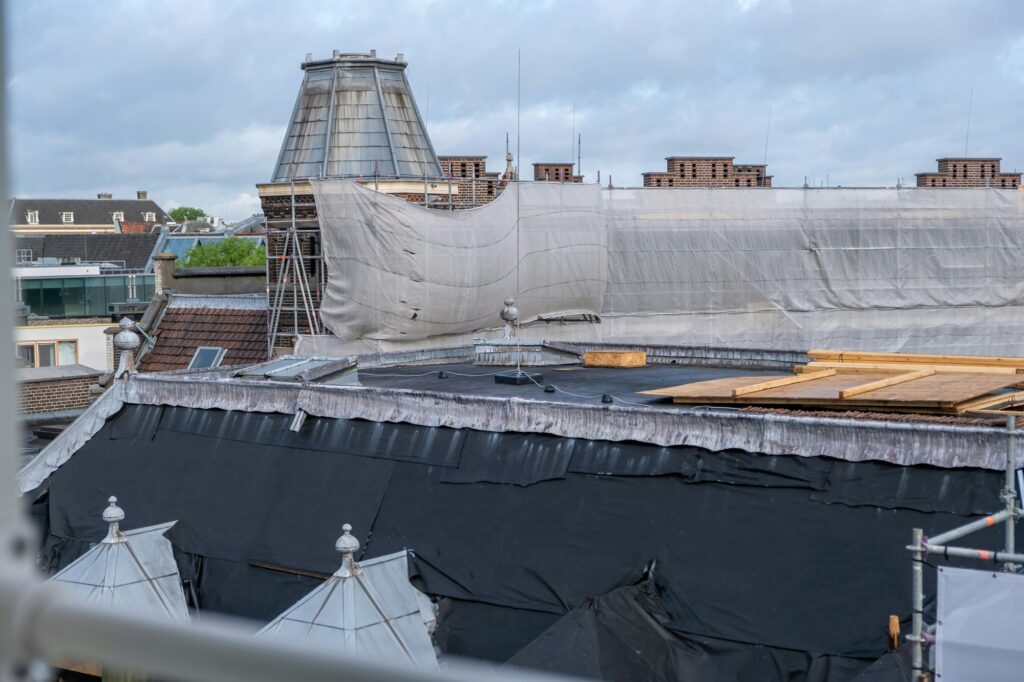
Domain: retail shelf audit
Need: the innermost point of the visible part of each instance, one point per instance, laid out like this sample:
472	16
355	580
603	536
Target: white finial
113	515
348	545
510	314
127	341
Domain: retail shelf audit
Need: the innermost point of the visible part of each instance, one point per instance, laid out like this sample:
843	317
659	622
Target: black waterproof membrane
765	567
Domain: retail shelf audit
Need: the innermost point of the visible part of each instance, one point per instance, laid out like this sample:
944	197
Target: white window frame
117	216
56	350
149	217
67	217
32	217
216	363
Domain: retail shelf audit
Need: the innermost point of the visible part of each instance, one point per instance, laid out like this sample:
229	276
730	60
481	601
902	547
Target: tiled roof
87	211
133	249
243	333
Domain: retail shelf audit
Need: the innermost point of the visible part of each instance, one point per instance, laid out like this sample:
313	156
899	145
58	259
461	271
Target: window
67	217
206	357
32	217
48	353
118	216
23	256
149	217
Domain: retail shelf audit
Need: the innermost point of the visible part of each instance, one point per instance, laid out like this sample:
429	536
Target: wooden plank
606	358
915	358
714	387
904	367
989	401
949	389
885	383
786	381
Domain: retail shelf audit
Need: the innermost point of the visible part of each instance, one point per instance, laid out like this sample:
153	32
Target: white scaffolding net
875	269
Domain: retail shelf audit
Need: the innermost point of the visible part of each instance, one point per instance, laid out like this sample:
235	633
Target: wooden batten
776	383
885	383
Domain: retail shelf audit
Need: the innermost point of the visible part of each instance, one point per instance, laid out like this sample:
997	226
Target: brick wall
964	172
708	171
57	395
555	172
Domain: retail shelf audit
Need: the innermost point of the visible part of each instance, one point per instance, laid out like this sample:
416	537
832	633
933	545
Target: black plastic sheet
752	561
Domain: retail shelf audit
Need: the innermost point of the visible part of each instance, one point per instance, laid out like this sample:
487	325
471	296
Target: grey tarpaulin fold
873	269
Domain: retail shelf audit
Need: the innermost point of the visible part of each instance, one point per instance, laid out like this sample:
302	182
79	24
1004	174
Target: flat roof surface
573	383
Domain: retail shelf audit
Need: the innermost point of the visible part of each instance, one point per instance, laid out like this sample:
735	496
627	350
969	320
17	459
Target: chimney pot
142	194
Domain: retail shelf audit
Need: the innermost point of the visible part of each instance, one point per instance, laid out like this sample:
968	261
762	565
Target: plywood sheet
944	388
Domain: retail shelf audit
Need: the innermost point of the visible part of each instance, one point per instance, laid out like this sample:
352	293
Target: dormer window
67	217
149	217
32	217
118	216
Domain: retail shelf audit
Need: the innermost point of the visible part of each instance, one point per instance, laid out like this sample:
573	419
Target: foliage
182	214
226	252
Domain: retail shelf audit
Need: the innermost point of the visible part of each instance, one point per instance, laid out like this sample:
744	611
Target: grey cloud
189	99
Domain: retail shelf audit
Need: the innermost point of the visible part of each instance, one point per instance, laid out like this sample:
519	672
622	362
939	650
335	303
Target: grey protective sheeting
980	634
855	440
873	269
398	270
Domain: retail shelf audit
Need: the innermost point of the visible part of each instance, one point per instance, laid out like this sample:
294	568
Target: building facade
75	216
708	171
547	171
969	172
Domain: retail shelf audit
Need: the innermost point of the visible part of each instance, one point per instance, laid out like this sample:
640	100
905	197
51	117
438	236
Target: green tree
226	252
185	213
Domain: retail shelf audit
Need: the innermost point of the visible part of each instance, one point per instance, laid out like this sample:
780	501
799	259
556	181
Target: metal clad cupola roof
130	570
367	607
355	116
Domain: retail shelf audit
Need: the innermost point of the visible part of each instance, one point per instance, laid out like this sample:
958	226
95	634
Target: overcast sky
189	100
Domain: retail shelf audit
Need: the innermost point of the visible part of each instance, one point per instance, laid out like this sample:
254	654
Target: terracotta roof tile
242	333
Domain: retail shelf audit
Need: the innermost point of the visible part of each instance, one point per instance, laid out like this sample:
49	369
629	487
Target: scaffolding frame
291	271
296	273
921	635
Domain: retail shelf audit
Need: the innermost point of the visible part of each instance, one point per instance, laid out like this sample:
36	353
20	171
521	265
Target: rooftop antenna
767	131
572	138
510	314
426	123
967	136
519	159
579	154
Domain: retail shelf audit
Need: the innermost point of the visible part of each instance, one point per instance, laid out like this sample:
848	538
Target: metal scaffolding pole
937	545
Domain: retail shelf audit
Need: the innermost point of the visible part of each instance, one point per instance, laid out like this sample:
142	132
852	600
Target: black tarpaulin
752	563
515	458
621	637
